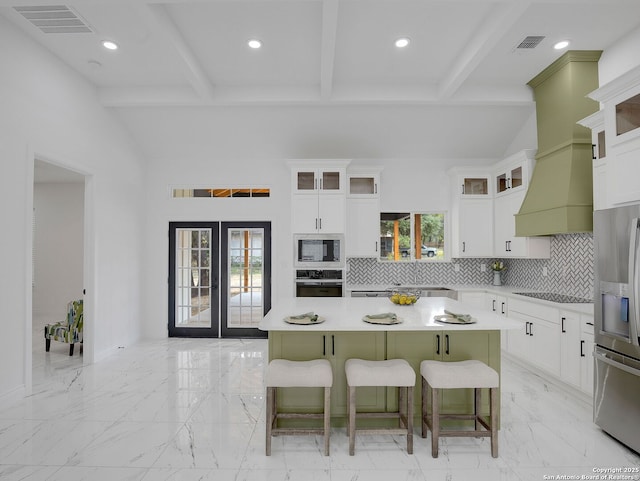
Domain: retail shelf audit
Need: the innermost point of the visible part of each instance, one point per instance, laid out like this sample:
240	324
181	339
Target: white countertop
346	313
509	291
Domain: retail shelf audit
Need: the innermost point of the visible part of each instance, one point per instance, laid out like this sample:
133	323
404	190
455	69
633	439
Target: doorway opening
58	259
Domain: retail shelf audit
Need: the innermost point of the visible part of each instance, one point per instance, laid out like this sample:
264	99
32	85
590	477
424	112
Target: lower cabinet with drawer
538	340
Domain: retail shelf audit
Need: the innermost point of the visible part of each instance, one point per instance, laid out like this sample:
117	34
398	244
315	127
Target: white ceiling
193	53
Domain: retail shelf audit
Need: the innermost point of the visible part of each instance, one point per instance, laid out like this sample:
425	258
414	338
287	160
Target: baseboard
579	395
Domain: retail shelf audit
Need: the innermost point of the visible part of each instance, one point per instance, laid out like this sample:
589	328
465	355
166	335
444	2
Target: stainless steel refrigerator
616	401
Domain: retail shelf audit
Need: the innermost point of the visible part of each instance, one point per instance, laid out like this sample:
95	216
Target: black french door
219	278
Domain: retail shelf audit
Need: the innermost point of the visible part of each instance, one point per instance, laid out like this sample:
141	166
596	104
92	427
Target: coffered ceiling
334	52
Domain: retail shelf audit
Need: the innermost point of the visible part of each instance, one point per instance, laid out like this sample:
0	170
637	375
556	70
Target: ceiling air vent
54	19
531	41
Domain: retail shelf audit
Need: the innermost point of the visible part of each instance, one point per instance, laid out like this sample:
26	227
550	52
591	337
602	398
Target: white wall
59	247
619	58
50	113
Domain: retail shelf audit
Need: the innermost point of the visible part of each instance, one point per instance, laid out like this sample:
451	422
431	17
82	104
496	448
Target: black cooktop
553	297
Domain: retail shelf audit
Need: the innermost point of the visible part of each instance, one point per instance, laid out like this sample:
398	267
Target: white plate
382	320
304	321
447	319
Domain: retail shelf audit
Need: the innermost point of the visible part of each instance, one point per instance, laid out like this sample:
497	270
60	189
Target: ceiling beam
195	73
328	46
497	24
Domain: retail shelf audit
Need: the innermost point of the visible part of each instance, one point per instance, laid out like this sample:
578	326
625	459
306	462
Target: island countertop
346	314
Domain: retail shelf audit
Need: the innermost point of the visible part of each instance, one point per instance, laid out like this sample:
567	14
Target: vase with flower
497	267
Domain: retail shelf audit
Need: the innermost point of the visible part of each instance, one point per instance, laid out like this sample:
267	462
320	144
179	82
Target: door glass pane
331	180
475	186
245	302
306	180
193	275
516	177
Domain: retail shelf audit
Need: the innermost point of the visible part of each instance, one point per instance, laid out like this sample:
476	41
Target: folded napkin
384	315
461	317
307	315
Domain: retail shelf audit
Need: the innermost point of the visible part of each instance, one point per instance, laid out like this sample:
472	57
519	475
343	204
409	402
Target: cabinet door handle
464	246
324	345
438	344
320	223
316	223
320	183
581	348
531	329
333	345
376	246
562	319
589	323
446	344
506	246
502	310
526	329
463	188
493	305
375	188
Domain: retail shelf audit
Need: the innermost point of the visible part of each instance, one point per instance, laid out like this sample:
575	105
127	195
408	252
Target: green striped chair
69	330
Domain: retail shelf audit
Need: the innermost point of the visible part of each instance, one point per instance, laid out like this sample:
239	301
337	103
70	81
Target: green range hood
560	195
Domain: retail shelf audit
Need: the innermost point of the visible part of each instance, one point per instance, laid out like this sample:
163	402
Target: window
221	192
407	236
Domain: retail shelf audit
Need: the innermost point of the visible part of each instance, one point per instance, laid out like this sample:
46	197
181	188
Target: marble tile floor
193	409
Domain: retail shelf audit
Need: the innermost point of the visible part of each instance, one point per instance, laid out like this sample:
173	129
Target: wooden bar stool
437	375
284	373
394	373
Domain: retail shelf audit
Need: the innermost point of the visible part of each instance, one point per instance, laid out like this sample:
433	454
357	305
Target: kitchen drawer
586	324
533	309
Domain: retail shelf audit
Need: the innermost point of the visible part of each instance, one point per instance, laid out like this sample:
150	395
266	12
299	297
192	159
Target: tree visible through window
406	236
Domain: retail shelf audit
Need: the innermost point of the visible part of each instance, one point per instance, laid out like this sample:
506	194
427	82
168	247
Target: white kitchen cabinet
498	304
595	122
472	213
586	353
473	186
363	182
318	214
319	180
512	174
538	340
570	348
617	122
318	203
506	244
363	227
475	228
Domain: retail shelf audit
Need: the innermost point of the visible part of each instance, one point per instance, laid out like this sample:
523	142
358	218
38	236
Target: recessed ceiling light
109	45
254	43
402	42
562	44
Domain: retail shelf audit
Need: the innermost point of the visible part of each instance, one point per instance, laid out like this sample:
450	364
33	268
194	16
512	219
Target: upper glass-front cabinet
363	182
318	181
628	115
511	179
474	185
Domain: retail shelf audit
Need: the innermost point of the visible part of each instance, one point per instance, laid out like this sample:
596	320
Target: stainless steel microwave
319	251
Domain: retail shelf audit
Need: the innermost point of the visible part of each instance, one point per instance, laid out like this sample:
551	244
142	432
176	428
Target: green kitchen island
343	334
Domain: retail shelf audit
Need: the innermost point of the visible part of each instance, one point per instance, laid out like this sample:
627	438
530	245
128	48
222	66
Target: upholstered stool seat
285	373
390	373
437	375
